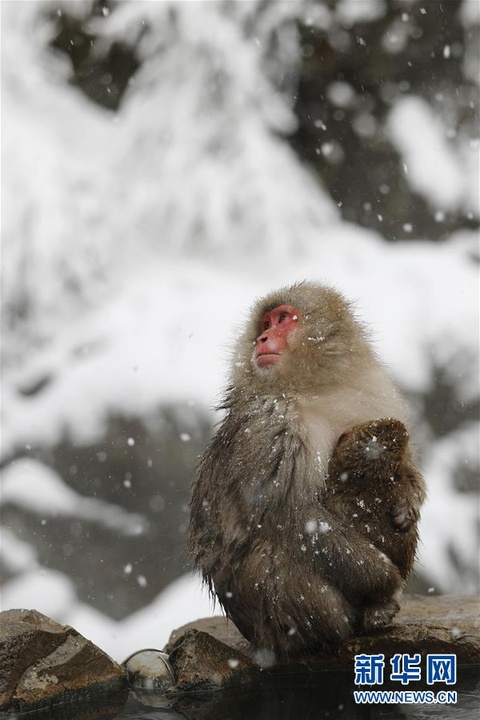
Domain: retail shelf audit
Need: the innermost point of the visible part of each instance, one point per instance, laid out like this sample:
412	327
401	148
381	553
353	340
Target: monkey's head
299	339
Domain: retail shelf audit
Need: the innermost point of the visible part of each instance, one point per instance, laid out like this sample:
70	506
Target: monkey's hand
405	512
403	515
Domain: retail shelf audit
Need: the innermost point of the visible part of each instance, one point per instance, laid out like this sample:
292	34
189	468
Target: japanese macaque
278	544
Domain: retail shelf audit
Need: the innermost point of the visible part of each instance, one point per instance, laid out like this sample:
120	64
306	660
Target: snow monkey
287	550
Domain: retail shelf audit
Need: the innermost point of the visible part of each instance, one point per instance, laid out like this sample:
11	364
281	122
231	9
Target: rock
202	662
440	624
44	663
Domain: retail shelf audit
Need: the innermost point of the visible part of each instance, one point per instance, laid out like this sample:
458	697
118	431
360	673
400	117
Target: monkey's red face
275	327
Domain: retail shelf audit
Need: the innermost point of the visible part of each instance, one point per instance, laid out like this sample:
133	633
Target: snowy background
164	164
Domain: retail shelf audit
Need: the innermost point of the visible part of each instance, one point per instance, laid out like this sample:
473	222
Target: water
280	695
308	696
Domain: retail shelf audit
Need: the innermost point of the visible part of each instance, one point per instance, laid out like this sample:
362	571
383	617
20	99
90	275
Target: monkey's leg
277	604
353	564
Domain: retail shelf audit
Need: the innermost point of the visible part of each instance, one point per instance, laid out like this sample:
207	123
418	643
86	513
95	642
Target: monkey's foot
377	617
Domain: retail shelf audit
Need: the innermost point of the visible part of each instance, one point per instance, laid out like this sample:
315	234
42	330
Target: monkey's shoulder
256	418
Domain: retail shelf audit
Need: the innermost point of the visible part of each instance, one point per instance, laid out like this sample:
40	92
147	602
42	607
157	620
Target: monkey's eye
266	325
283	316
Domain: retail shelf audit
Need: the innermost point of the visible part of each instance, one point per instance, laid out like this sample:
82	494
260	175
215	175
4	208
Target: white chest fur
369	396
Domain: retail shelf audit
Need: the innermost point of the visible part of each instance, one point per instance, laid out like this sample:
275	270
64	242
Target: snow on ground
47	591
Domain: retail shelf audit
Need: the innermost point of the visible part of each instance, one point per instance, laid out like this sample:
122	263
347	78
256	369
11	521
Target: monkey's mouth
266	359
